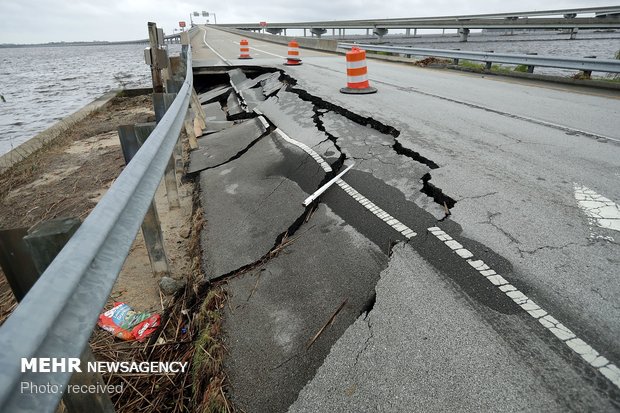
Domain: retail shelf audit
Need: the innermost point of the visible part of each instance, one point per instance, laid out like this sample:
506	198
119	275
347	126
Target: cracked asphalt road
510	158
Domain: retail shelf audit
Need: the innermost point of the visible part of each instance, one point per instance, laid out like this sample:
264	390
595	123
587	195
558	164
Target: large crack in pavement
321	107
349	212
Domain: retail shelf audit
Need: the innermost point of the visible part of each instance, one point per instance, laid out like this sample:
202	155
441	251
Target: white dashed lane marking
563	333
361	199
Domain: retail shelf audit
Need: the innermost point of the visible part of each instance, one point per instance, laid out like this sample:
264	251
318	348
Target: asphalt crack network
317	118
321	106
282	241
240	153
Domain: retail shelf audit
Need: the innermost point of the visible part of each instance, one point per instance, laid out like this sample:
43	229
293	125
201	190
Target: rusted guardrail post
151	226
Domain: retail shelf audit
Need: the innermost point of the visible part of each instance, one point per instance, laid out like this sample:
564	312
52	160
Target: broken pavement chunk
214	112
234	107
213	94
217	148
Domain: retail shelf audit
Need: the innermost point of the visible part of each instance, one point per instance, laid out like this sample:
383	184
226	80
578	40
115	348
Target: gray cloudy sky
40	21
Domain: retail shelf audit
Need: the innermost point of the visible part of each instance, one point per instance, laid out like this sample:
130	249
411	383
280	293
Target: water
602	45
42	85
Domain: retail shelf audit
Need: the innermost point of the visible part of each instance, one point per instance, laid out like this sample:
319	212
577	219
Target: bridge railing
56	318
562	62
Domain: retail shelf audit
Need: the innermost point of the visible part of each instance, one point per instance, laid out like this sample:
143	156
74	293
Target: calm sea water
42	85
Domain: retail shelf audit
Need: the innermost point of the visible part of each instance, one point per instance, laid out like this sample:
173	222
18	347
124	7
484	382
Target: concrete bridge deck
529	172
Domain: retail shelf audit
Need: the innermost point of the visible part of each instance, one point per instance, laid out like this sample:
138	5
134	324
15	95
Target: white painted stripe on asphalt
365	202
204	39
590	355
305	148
378	212
602	211
263	51
264	122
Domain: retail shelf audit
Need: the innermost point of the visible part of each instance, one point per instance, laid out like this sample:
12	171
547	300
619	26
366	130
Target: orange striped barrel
293	58
244	49
357	79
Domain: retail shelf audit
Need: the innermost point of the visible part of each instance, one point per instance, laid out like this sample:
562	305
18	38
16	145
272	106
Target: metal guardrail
56	318
585	64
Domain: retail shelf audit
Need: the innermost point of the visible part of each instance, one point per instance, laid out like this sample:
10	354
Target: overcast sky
40	21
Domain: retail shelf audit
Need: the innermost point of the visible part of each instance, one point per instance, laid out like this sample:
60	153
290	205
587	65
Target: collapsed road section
304	327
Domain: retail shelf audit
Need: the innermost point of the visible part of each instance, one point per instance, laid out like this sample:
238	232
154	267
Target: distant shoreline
64	44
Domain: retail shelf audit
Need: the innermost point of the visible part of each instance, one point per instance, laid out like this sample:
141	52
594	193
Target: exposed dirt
66	179
70	175
432	61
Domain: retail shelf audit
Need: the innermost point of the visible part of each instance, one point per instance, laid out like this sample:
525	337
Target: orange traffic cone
357	81
293	54
244	49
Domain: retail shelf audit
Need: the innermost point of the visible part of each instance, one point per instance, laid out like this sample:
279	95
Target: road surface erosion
469	261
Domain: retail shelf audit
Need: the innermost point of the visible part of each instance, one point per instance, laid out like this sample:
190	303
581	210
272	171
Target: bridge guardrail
56	318
562	62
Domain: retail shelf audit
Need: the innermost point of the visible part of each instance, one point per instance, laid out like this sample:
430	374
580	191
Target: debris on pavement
125	323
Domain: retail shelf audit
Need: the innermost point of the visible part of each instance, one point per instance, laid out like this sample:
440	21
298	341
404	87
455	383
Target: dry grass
191	321
191	332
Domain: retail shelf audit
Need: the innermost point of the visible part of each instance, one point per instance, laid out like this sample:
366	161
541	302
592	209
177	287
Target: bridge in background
599	18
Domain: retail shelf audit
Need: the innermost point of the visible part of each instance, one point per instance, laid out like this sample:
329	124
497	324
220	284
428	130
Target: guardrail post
151	227
44	241
143	130
16	261
161	102
587	73
573	33
488	65
463	34
158	83
530	68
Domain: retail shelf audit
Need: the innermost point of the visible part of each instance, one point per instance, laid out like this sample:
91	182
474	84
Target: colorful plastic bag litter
127	324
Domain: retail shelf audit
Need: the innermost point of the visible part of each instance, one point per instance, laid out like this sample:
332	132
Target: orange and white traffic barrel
244	49
357	79
293	58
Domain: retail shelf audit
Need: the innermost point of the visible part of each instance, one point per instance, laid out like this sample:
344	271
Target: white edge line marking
519	117
366	203
263	121
263	51
590	355
600	210
325	187
222	58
